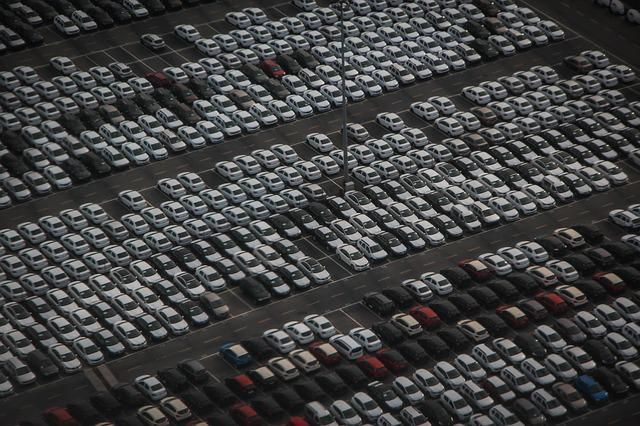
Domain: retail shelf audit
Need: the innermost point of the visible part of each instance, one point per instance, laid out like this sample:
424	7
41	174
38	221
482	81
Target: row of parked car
438	357
83	124
243	228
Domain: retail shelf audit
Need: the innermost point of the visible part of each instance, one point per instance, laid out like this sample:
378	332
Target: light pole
346	183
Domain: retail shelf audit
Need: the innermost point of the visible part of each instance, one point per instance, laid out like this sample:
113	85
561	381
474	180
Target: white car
496	263
437	282
279	340
352	257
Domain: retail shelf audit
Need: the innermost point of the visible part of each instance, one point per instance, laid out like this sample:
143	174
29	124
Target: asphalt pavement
340	299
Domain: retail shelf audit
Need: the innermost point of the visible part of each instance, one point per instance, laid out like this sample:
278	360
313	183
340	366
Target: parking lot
340	300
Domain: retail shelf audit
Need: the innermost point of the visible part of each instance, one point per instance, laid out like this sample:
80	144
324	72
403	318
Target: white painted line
351	318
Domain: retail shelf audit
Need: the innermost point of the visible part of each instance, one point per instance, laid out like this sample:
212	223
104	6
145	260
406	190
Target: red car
242	385
476	269
393	360
426	316
57	416
325	353
552	302
245	415
272	69
297	421
372	367
610	281
158	79
513	316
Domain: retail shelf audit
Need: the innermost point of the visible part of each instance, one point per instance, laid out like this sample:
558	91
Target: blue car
235	355
591	389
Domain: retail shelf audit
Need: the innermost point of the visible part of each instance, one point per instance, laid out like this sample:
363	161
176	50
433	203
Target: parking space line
351	318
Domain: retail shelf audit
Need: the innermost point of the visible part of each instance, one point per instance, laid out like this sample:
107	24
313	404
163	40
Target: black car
384	395
166	290
485	296
305	59
258	348
14	142
42	364
413	352
435	412
267	407
399	296
197	401
288	399
145	102
352	376
302	218
582	263
130	109
321	212
244	237
594	291
476	29
390	243
484	48
379	303
288	250
173	379
172	4
503	288
254	290
434	346
274	284
151	327
184	258
165	97
446	310
599	352
457	276
523	282
101	17
119	14
128	395
447	226
530	345
76	170
389	333
527	412
610	381
155	7
193	313
495	325
437	200
284	225
221	394
276	88
63	6
570	331
186	114
533	309
223	243
162	263
290	65
601	257
454	338
332	384
410	238
309	390
95	164
254	73
106	403
183	93
84	413
72	123
194	370
464	302
108	343
201	89
622	252
14	165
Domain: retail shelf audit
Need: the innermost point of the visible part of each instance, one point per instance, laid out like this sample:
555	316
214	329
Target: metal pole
346	184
